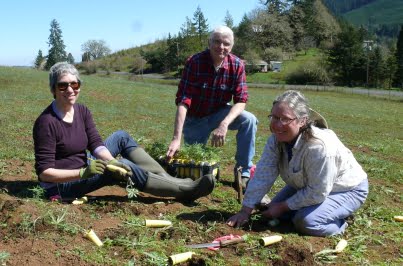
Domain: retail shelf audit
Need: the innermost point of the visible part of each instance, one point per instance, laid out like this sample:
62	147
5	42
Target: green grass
372	128
290	65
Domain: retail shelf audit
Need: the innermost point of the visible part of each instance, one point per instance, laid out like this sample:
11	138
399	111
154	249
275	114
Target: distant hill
382	17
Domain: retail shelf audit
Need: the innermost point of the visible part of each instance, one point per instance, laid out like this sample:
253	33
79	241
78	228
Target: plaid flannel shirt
204	90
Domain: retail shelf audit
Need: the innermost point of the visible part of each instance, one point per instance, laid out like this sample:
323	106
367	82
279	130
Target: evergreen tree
172	54
391	67
189	40
70	58
347	58
57	48
296	18
38	60
243	33
229	20
201	26
399	60
377	68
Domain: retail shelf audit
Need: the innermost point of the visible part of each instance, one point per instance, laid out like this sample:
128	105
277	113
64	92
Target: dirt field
30	237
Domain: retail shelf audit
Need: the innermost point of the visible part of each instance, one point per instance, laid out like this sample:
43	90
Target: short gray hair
60	69
223	30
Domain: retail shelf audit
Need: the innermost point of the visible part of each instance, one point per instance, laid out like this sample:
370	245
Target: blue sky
122	24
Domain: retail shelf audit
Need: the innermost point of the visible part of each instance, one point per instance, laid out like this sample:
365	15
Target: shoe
350	219
245	181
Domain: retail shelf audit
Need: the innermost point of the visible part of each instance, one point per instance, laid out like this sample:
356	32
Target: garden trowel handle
225	243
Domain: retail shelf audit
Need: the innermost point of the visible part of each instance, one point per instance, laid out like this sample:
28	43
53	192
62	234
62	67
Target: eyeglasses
63	86
283	120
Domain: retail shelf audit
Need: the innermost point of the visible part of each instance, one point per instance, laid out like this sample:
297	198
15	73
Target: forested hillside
380	17
279	30
340	7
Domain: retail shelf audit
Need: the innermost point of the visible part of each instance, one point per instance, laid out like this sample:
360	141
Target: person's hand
218	136
275	210
238	219
95	167
118	174
173	148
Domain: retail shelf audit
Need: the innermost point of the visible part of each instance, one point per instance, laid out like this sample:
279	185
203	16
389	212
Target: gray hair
296	101
299	104
58	70
223	30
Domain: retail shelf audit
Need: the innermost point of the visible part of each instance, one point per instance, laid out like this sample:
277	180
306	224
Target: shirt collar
57	112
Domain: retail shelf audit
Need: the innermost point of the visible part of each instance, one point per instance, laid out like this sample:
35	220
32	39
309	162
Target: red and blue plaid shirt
204	90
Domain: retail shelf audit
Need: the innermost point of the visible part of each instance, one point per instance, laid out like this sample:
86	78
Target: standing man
210	80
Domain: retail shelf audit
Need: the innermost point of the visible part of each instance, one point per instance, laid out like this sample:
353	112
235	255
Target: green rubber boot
140	157
178	188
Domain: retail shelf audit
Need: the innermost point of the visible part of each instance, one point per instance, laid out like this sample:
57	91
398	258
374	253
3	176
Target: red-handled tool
218	244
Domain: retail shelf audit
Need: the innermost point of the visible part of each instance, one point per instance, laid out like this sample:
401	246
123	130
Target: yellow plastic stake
181	257
340	246
90	234
265	241
398	218
158	223
81	200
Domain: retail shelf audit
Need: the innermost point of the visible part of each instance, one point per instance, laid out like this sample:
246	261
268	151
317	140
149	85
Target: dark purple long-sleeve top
63	145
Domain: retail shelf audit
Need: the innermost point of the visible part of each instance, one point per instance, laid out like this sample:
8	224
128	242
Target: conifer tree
229	20
201	26
57	51
399	60
38	60
70	58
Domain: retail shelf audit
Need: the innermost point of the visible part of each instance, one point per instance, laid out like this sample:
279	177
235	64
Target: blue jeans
197	130
328	217
119	142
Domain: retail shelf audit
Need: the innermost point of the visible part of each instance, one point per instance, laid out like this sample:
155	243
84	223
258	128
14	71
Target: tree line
274	31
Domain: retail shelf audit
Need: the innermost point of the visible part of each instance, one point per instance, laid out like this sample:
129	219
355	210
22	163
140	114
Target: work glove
95	167
116	173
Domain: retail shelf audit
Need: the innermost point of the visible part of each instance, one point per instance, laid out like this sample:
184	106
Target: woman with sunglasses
324	184
71	159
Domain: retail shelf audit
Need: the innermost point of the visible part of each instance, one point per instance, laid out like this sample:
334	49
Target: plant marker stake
265	241
90	234
398	218
158	223
80	201
181	257
340	246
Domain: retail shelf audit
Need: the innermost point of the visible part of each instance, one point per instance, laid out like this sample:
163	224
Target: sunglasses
63	86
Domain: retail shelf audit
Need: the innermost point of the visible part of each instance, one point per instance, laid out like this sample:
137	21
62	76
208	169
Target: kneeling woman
324	182
65	131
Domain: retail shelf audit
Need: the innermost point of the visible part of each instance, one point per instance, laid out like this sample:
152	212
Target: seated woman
65	131
324	182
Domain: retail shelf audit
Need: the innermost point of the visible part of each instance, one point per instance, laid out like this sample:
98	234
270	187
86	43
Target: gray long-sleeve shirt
318	167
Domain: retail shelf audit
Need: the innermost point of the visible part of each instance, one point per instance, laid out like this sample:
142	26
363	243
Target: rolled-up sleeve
241	88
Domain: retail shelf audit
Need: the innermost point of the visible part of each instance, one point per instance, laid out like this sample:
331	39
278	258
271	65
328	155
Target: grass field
372	128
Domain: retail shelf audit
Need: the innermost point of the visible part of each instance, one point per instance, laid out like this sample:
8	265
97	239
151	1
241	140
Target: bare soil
40	244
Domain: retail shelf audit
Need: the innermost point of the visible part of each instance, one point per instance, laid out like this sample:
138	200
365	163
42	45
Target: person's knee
310	226
122	133
249	118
